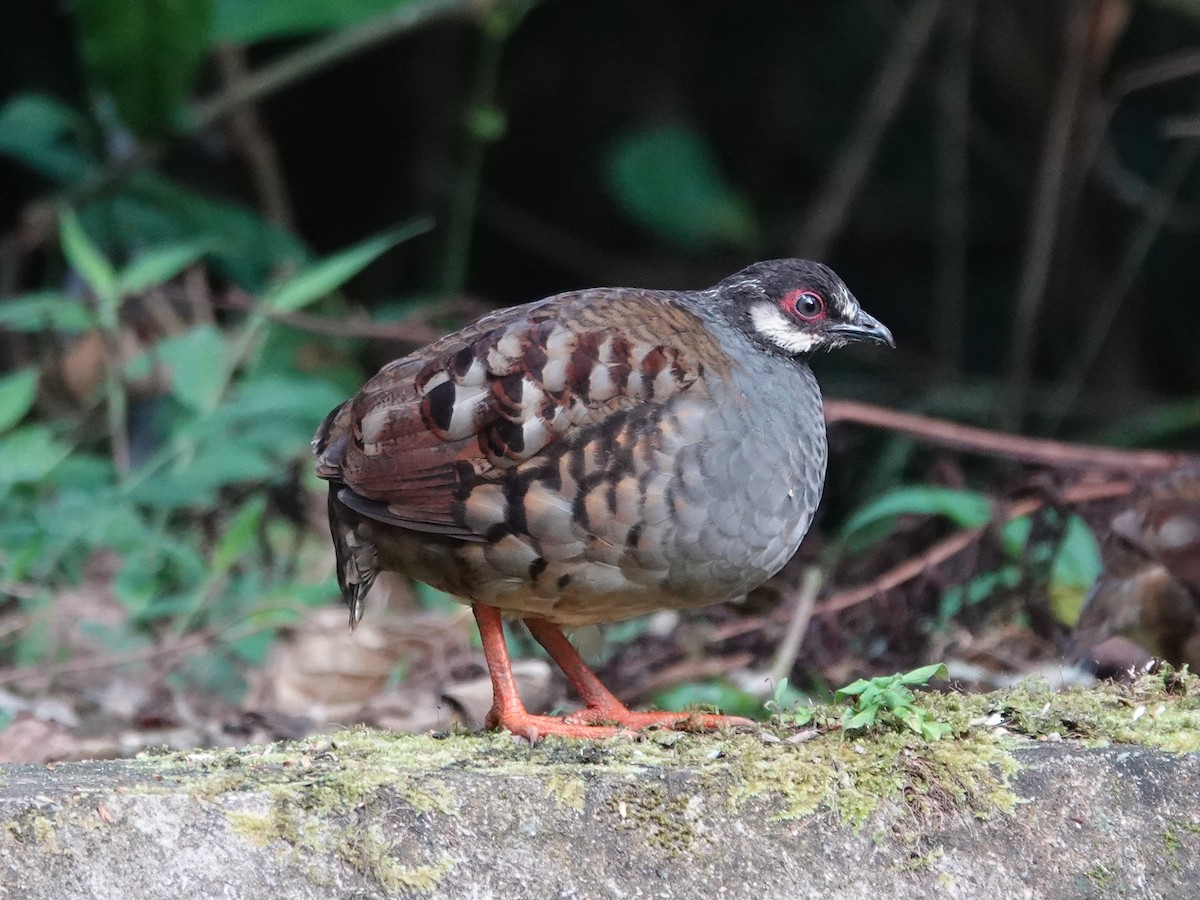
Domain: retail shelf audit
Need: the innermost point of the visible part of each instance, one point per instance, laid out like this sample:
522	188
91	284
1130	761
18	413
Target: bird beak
865	328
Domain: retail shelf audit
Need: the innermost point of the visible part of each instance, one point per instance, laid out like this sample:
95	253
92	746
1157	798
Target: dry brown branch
1164	69
835	202
956	543
412	332
51	671
687	671
1126	186
248	135
793	638
1044	214
1104	313
953	128
281	73
994	443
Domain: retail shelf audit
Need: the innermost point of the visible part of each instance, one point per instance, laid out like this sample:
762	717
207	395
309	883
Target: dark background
1010	186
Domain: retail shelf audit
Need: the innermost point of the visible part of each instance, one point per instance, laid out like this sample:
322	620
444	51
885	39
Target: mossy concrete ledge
1083	794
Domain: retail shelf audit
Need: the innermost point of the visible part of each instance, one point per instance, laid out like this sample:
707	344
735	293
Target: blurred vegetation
1011	187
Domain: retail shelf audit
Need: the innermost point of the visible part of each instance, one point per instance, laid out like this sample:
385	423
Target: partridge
591	457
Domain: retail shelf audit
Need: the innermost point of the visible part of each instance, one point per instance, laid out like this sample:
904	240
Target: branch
275	76
956	543
323	53
1009	446
832	207
1044	215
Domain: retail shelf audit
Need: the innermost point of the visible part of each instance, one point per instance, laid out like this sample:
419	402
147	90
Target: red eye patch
808	306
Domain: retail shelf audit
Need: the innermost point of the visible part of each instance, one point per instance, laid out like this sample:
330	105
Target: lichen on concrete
378	814
851	775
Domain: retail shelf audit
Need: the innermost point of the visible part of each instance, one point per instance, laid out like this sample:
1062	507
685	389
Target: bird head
797	306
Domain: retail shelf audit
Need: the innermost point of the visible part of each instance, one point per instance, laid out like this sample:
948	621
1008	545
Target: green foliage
787	704
889	699
191	520
714	694
319	278
669	181
245	21
46	311
146	210
17	392
146	53
1074	563
870	522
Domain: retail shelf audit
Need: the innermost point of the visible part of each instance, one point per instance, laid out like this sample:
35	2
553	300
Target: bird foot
629	720
593	723
534	728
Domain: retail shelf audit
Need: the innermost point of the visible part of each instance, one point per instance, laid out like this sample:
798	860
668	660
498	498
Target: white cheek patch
771	323
849	306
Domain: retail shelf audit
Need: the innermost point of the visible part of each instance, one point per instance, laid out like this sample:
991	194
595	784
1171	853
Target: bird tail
356	557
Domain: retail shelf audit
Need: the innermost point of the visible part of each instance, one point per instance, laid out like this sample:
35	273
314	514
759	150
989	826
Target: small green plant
889	696
787	704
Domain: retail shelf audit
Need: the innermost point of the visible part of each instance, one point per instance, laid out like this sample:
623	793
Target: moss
217	785
1176	836
1100	876
853	778
257	828
32	827
923	862
369	851
670	822
320	790
567	791
1161	710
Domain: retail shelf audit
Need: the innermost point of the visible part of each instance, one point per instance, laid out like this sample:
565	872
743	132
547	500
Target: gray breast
748	488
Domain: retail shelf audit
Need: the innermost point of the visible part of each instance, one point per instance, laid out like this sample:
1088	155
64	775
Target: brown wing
430	427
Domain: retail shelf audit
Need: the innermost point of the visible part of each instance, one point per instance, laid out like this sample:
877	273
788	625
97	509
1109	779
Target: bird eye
807	305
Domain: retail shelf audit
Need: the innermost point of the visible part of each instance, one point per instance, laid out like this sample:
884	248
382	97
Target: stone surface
499	819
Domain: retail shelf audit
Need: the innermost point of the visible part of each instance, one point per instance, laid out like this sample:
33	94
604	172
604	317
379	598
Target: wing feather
431	427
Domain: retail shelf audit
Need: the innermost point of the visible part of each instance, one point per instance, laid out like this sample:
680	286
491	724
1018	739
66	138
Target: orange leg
601	705
508	712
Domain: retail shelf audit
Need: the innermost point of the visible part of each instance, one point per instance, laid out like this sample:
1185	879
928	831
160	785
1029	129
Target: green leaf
909	717
976	590
253	648
214	466
669	181
86	472
923	674
85	257
17	393
43	134
159	265
933	731
1078	563
29	453
1075	571
246	21
46	310
966	509
852	690
318	279
194	361
1014	535
146	53
245	247
863	718
137	584
239	537
713	694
